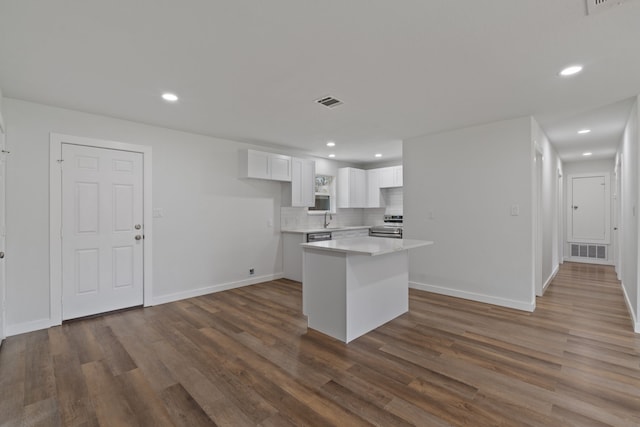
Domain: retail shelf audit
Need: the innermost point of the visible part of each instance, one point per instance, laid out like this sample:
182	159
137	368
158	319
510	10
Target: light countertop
319	230
367	245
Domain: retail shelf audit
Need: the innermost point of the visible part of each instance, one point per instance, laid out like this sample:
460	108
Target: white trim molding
550	278
588	261
634	319
55	215
488	299
210	289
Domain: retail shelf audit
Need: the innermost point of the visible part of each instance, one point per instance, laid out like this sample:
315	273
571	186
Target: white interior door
102	230
589	209
3	158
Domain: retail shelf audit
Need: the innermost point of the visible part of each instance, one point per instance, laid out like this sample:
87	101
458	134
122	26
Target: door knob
137	226
575	208
1	255
138	237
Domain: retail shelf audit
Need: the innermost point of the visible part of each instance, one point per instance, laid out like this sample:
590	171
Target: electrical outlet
252	271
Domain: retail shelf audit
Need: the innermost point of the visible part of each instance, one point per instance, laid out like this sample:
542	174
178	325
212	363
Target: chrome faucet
326	224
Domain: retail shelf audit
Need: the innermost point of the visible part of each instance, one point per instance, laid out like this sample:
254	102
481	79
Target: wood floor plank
244	357
12	379
107	396
184	410
39	378
72	393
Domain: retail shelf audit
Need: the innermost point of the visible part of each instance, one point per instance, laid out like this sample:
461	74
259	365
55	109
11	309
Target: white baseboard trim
588	261
550	279
23	328
36	325
503	302
209	289
634	319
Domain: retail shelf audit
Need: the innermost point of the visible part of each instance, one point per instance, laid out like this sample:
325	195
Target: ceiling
251	70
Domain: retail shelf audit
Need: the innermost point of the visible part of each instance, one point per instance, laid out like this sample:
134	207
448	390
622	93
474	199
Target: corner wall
215	226
628	160
550	206
459	190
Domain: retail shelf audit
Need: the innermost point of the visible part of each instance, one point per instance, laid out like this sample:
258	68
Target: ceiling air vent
595	6
329	101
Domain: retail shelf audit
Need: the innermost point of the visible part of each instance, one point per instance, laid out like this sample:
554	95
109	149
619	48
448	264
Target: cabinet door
386	177
308	183
258	165
280	167
357	188
373	189
352	188
364	232
337	235
303	174
343	188
397	176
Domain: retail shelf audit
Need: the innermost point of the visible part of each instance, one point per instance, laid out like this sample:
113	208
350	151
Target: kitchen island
353	286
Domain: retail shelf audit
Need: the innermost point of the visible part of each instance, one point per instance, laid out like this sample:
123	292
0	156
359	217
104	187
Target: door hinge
60	162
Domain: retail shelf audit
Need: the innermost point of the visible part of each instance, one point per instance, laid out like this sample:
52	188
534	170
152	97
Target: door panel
102	201
589	208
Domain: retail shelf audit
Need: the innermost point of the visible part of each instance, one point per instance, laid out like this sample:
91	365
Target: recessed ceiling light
331	144
332	155
588	153
378	155
171	97
583	131
570	71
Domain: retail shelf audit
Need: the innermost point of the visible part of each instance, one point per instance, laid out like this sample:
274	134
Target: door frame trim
607	208
55	215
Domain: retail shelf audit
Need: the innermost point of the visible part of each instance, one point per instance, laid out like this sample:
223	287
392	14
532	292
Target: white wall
215	225
628	153
550	206
459	187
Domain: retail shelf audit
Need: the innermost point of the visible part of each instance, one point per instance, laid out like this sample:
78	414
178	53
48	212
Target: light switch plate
515	210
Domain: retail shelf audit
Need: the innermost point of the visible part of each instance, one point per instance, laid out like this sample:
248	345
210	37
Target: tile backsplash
296	218
293	218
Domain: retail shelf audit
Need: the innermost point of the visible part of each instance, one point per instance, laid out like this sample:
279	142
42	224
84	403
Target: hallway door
589	210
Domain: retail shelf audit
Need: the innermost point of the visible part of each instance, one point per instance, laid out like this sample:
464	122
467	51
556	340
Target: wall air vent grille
329	101
595	6
581	250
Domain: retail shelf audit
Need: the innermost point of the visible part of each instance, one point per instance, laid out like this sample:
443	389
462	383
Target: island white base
346	295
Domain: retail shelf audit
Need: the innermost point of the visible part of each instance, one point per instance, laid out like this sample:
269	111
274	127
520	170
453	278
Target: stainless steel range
392	228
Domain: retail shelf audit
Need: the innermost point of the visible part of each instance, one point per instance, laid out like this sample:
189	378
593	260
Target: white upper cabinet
352	188
391	177
398	176
374	200
303	175
280	167
262	165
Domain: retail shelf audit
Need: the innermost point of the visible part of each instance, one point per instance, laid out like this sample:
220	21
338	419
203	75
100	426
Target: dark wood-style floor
244	357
